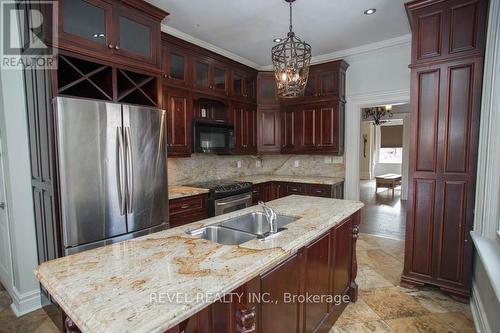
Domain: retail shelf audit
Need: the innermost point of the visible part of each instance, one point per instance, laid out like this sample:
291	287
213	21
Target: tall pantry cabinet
448	41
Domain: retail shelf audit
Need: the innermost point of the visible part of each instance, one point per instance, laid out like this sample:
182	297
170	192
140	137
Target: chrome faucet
271	217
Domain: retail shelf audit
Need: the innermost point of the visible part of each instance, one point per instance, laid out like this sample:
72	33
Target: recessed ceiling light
277	40
370	11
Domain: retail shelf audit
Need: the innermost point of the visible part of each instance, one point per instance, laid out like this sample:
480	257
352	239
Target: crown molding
357	51
196	41
337	55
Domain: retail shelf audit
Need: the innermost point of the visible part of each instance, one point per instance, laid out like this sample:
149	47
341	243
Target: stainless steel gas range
226	196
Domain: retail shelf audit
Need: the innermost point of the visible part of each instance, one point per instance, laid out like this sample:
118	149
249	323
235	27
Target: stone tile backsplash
205	167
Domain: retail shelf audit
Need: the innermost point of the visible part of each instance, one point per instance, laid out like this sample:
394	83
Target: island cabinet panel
189	209
179	117
341	259
279	315
281	299
446	81
316	281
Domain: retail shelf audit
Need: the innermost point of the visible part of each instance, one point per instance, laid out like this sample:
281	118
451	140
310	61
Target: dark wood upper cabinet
201	74
268	129
326	81
243	85
446	79
313	128
179	118
449	29
244	119
128	32
219	78
314	124
210	76
291	130
176	66
266	88
137	36
86	24
330	127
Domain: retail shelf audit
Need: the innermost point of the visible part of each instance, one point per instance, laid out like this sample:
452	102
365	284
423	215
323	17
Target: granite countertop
110	289
257	179
176	192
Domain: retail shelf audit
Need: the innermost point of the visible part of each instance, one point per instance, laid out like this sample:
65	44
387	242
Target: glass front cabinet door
104	28
86	24
135	34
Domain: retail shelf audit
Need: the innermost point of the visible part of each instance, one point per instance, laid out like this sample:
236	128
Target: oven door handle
245	198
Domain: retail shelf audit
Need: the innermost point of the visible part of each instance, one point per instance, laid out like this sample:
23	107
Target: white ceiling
247	28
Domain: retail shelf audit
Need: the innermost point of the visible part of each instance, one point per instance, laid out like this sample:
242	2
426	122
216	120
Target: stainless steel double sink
240	229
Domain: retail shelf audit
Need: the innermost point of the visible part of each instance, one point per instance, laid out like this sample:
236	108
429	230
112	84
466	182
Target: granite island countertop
177	191
258	179
110	289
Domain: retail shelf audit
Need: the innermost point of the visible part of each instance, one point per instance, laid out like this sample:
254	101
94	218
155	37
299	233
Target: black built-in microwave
213	137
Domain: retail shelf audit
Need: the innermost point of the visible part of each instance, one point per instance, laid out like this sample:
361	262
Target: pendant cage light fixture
291	59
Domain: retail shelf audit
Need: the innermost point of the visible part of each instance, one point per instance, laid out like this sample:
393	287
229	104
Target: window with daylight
391	144
391	155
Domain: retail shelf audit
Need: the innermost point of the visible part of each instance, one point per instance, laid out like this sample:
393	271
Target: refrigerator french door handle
121	169
130	172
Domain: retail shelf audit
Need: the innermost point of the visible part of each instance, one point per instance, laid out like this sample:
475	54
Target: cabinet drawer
189	205
181	219
295	188
318	190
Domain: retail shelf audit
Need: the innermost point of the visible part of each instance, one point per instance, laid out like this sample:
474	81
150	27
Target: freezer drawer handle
130	172
121	170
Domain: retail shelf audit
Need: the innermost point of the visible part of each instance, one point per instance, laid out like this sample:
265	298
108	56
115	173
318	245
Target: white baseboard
477	309
26	302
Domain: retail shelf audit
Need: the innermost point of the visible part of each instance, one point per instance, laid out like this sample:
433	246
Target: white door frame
6	277
353	132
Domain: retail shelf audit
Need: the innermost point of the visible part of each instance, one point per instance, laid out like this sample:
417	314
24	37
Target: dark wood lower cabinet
278	283
282	298
317	280
274	190
325	267
189	209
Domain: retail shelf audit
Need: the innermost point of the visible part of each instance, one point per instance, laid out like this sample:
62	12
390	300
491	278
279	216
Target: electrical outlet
238	164
296	163
258	164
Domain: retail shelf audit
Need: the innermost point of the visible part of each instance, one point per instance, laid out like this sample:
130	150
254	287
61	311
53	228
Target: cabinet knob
111	46
185	206
117	47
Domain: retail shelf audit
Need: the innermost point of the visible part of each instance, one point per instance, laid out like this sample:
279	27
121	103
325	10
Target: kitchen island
171	281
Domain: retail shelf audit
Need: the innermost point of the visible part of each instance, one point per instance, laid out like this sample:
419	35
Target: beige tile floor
382	306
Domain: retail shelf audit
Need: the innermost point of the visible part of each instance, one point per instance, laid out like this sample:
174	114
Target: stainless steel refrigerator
112	161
